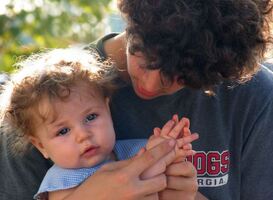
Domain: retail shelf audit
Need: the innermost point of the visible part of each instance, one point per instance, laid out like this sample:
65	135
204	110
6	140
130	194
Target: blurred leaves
27	26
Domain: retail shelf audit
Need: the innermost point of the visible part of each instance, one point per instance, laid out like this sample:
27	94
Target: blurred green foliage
27	26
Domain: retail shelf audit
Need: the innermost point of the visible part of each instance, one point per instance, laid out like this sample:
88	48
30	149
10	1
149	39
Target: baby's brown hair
50	74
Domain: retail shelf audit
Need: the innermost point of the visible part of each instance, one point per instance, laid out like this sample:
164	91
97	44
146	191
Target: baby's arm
178	130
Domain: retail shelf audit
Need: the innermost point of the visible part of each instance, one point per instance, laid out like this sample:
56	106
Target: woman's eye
90	117
63	131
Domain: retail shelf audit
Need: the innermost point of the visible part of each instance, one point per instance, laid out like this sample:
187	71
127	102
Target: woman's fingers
153	185
175	194
149	157
115	165
185	169
181	182
152	197
182	176
123	178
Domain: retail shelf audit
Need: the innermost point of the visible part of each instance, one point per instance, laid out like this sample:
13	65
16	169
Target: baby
59	102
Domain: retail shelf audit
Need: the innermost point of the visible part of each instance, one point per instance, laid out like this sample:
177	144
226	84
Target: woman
183	57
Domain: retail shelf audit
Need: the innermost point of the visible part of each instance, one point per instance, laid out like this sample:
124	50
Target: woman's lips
144	92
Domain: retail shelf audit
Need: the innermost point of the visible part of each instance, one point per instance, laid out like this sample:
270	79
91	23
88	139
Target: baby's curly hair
50	75
203	42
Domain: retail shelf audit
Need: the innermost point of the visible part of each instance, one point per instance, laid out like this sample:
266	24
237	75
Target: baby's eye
90	117
63	131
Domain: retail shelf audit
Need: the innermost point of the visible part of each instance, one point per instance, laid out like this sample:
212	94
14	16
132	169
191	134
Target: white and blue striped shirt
58	178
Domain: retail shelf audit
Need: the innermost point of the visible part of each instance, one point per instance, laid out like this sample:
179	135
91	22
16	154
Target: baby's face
81	134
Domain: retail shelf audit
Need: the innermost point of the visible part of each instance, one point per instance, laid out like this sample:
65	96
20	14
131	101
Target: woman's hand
181	182
121	180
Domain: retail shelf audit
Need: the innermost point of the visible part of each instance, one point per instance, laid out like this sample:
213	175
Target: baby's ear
39	145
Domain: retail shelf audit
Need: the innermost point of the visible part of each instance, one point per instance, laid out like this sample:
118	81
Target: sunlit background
27	26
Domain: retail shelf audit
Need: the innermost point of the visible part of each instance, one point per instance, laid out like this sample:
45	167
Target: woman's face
148	84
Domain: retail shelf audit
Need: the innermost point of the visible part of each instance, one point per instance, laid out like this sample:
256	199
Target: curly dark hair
203	42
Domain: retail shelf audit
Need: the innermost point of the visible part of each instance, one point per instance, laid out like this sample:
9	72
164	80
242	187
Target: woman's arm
60	194
121	180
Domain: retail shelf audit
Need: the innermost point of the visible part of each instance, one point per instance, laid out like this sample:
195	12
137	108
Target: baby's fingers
186	130
175	118
167	128
186	140
187	146
179	127
157	131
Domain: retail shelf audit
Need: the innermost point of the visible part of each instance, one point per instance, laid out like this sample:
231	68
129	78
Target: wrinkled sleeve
257	157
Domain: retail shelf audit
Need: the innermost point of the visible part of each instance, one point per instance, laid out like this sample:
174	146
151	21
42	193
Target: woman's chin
146	95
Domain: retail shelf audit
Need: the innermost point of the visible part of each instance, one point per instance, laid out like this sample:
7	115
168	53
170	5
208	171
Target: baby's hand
186	130
172	129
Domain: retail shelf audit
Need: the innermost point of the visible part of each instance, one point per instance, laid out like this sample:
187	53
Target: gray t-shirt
234	152
235	149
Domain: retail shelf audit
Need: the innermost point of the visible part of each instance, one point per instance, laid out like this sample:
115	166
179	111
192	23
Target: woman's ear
39	145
